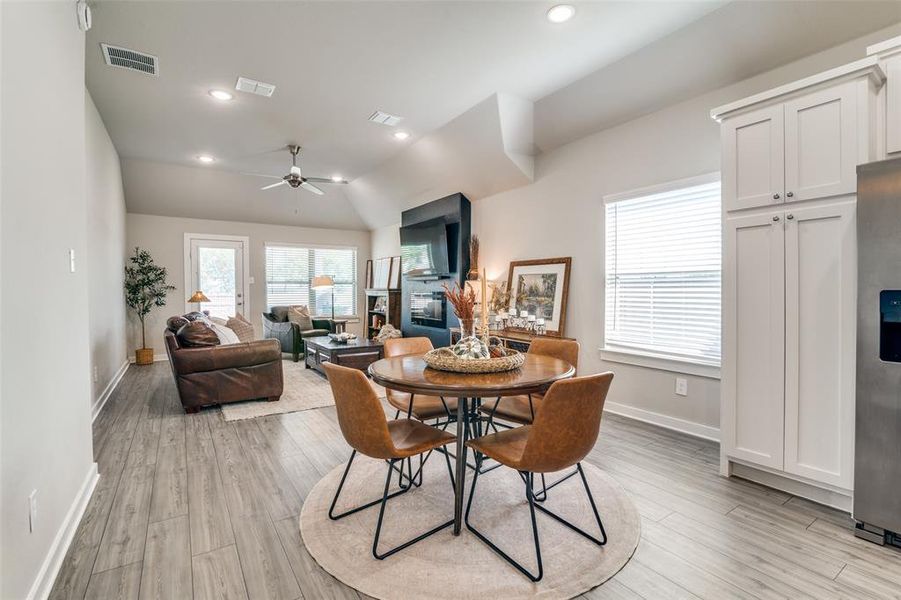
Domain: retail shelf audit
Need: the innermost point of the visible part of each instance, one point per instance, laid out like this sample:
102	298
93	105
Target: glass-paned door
217	269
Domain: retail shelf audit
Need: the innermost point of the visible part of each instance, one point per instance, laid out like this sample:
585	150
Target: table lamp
325	282
197	298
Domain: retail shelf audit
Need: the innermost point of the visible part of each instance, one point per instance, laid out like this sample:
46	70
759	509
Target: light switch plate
681	386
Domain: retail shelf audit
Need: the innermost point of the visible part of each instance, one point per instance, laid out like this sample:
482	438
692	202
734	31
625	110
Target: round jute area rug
443	566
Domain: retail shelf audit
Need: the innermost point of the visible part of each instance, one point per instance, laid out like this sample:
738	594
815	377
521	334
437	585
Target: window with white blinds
663	265
289	270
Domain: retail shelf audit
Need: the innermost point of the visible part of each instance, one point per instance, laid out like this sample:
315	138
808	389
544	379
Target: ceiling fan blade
273	185
325	180
311	188
260	175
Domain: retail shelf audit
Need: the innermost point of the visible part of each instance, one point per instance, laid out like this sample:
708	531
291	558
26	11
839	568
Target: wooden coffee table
357	354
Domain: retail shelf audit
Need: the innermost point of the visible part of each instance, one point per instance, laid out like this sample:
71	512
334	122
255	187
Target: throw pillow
219	321
301	316
242	328
226	336
197	334
173	324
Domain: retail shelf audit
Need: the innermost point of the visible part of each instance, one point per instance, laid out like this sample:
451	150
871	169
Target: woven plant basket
443	359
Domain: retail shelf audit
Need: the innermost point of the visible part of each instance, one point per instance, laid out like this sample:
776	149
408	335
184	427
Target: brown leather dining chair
563	433
366	429
417	406
522	409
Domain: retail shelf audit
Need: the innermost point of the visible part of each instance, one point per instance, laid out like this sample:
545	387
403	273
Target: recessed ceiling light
337	178
206	158
401	135
561	13
221	95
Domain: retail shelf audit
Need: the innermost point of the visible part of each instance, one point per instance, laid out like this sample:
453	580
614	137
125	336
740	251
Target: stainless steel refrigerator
877	459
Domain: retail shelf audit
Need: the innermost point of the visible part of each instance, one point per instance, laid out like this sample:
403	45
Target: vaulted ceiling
482	87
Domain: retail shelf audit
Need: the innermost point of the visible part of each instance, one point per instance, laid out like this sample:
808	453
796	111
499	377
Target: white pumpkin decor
471	347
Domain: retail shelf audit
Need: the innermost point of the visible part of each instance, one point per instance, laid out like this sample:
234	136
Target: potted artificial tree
145	288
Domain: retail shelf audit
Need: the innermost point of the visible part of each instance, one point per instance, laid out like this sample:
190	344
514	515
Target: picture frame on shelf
540	288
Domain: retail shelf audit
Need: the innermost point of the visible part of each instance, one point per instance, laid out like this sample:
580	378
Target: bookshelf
382	306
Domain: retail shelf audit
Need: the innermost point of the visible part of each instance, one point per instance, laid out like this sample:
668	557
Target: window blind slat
663	271
290	269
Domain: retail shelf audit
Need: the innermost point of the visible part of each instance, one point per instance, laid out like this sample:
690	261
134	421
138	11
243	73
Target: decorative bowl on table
342	338
445	359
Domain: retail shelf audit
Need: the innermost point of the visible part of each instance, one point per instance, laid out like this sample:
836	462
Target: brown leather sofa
222	374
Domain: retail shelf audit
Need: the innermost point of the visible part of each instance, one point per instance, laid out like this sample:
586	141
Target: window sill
656	361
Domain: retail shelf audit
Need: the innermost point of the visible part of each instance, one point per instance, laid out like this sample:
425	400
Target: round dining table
411	374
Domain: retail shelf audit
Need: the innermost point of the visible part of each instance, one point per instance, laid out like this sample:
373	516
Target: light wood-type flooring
191	506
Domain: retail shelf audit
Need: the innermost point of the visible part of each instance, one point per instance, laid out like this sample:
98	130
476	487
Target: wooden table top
410	374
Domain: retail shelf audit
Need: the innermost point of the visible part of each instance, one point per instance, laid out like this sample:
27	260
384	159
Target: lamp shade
321	282
198	297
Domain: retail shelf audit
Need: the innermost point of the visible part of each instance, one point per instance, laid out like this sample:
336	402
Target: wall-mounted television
423	250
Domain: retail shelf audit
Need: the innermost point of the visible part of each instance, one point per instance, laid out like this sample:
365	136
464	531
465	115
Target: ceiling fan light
337	179
221	95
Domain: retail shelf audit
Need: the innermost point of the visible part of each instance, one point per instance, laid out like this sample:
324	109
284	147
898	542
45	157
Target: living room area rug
304	389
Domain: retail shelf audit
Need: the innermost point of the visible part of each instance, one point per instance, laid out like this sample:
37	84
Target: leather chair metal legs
368	432
563	433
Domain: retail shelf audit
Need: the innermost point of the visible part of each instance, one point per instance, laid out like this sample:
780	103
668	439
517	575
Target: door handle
775	217
790	195
790	216
776	196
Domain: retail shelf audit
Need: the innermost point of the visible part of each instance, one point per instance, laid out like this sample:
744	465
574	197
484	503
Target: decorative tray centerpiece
475	352
342	338
446	359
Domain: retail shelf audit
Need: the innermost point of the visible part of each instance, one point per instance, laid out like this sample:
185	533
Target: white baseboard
46	576
827	495
108	391
681	425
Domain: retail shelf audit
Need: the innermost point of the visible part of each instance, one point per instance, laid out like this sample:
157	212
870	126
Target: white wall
45	382
561	214
106	255
164	238
386	241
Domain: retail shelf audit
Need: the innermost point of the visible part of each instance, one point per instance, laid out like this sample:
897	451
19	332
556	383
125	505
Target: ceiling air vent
130	59
252	86
383	118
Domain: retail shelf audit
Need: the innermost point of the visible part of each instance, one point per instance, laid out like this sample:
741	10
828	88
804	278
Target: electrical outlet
32	511
96	374
681	386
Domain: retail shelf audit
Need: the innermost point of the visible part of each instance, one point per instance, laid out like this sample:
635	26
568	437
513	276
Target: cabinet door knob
776	217
790	217
790	195
775	196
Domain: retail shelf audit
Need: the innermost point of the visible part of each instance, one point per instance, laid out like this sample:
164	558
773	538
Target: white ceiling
335	62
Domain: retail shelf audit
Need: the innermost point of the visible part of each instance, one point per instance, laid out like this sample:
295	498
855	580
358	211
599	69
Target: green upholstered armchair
277	326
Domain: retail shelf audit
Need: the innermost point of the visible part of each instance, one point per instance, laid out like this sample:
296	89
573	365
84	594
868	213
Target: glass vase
470	346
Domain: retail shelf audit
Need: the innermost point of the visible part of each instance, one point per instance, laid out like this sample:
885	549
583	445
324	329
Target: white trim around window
351	318
663	310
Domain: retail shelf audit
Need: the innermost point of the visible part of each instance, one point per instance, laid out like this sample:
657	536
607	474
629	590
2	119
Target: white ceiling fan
295	179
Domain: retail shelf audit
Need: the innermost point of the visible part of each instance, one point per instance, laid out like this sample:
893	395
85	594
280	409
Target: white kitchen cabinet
802	141
753	339
820	316
821	144
893	104
753	166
